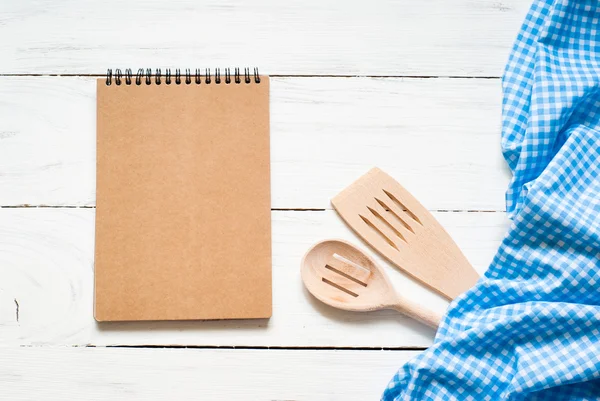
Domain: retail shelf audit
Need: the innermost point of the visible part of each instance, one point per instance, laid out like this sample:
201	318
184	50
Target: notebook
183	218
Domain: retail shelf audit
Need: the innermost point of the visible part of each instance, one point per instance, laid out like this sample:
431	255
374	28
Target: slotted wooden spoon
342	276
396	225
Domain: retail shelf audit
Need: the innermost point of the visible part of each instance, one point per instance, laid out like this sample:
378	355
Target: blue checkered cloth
530	328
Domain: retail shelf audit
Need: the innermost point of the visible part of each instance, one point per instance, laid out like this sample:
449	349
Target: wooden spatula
396	225
342	276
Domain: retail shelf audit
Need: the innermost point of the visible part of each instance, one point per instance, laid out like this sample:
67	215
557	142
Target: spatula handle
416	311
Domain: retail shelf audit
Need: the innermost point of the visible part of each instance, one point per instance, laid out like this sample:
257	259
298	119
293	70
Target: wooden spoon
342	276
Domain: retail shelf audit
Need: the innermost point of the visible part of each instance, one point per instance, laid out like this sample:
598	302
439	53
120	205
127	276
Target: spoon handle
418	312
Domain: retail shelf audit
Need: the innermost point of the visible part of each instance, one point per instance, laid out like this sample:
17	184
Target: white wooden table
410	86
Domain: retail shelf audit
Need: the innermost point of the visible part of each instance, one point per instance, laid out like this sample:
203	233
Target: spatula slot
341	273
400	219
377	230
401	206
387	223
339	287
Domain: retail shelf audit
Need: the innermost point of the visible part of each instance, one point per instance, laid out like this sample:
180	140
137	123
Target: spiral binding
145	76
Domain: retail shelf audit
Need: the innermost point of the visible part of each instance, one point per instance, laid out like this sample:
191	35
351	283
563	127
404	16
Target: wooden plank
316	37
438	137
202	374
46	287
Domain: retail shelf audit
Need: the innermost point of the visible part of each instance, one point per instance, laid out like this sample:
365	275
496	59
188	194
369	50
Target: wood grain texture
46	266
203	374
438	137
448	38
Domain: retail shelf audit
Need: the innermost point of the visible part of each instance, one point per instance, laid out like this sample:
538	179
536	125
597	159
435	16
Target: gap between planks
273	209
238	347
283	76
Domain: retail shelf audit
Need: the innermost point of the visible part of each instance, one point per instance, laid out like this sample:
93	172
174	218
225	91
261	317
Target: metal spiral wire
145	76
